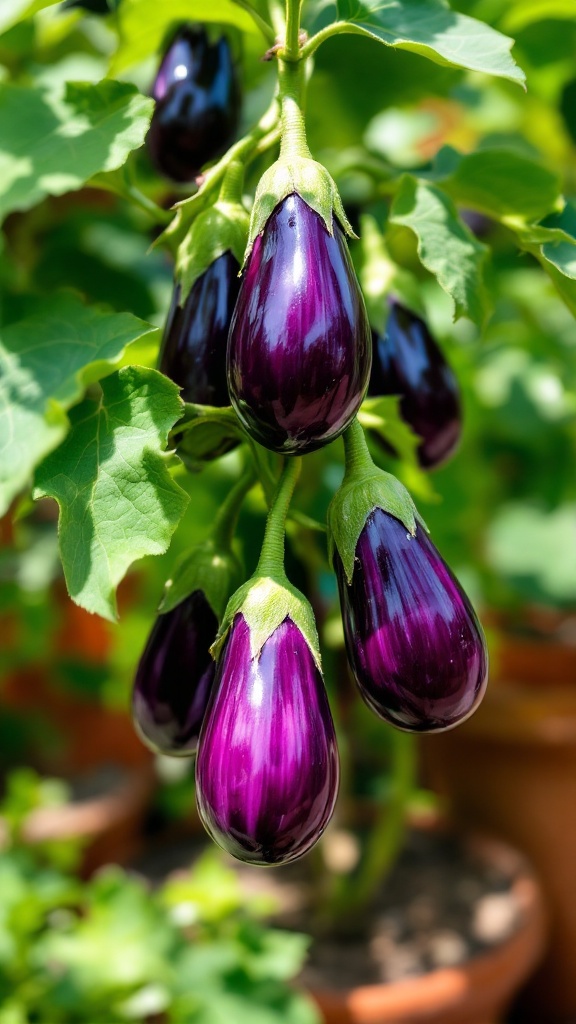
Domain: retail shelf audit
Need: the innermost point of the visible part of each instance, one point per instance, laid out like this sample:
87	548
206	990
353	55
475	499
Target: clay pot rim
445	989
92	817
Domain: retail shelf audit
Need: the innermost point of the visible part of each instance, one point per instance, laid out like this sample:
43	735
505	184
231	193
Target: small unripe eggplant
408	362
193	352
267	769
174	677
413	641
197	111
299	349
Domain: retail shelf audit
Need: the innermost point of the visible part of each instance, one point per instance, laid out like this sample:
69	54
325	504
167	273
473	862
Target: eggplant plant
299	389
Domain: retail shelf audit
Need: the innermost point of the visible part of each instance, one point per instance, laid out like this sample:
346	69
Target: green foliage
111	950
47	359
54	141
110	478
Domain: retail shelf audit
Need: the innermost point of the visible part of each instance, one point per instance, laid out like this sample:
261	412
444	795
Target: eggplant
174	677
414	643
408	362
267	768
198	104
299	349
193	352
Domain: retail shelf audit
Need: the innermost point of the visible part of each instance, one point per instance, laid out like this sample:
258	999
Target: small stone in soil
495	917
447	948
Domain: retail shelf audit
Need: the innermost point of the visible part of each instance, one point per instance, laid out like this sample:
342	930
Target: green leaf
54	141
110	478
13	11
46	361
446	247
500	182
561	253
355	500
430	28
143	24
381	416
527	12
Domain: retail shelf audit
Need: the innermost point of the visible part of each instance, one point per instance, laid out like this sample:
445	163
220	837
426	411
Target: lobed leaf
110	478
430	28
46	361
53	141
446	247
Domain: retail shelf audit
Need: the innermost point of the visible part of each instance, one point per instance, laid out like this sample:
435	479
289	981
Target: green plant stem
387	833
266	29
225	525
137	197
337	28
291	51
271	561
232	183
291	82
358	458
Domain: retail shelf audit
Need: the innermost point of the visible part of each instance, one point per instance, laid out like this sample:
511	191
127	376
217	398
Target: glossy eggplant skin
193	352
174	677
408	362
299	350
413	641
198	103
267	769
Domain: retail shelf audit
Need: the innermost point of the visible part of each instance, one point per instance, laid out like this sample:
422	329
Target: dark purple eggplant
413	641
193	352
174	677
408	362
299	349
267	769
197	112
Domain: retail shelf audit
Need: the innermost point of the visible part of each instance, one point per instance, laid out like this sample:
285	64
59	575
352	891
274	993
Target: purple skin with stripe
299	350
193	352
197	104
408	362
267	770
174	677
413	641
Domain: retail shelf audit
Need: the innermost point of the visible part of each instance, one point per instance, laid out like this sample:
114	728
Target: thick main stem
291	80
292	44
271	561
358	458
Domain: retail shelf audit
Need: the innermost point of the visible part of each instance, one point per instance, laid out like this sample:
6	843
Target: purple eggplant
408	362
197	110
193	352
413	641
299	349
267	769
174	677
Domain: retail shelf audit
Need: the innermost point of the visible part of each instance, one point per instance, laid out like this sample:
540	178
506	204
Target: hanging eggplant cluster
233	673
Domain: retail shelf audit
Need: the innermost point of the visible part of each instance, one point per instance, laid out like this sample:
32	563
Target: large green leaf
430	28
12	11
110	477
52	142
46	361
499	182
446	247
143	24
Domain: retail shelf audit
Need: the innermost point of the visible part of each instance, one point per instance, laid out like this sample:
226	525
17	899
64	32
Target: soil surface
440	905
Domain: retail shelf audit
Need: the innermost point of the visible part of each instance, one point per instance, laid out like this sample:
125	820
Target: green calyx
216	571
221	228
310	180
265	602
364	488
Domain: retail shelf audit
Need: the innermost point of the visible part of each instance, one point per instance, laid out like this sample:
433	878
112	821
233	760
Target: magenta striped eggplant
267	768
174	677
413	641
299	350
197	104
193	352
408	362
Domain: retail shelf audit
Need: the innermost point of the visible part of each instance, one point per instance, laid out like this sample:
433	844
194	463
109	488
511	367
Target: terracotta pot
109	823
511	769
477	992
